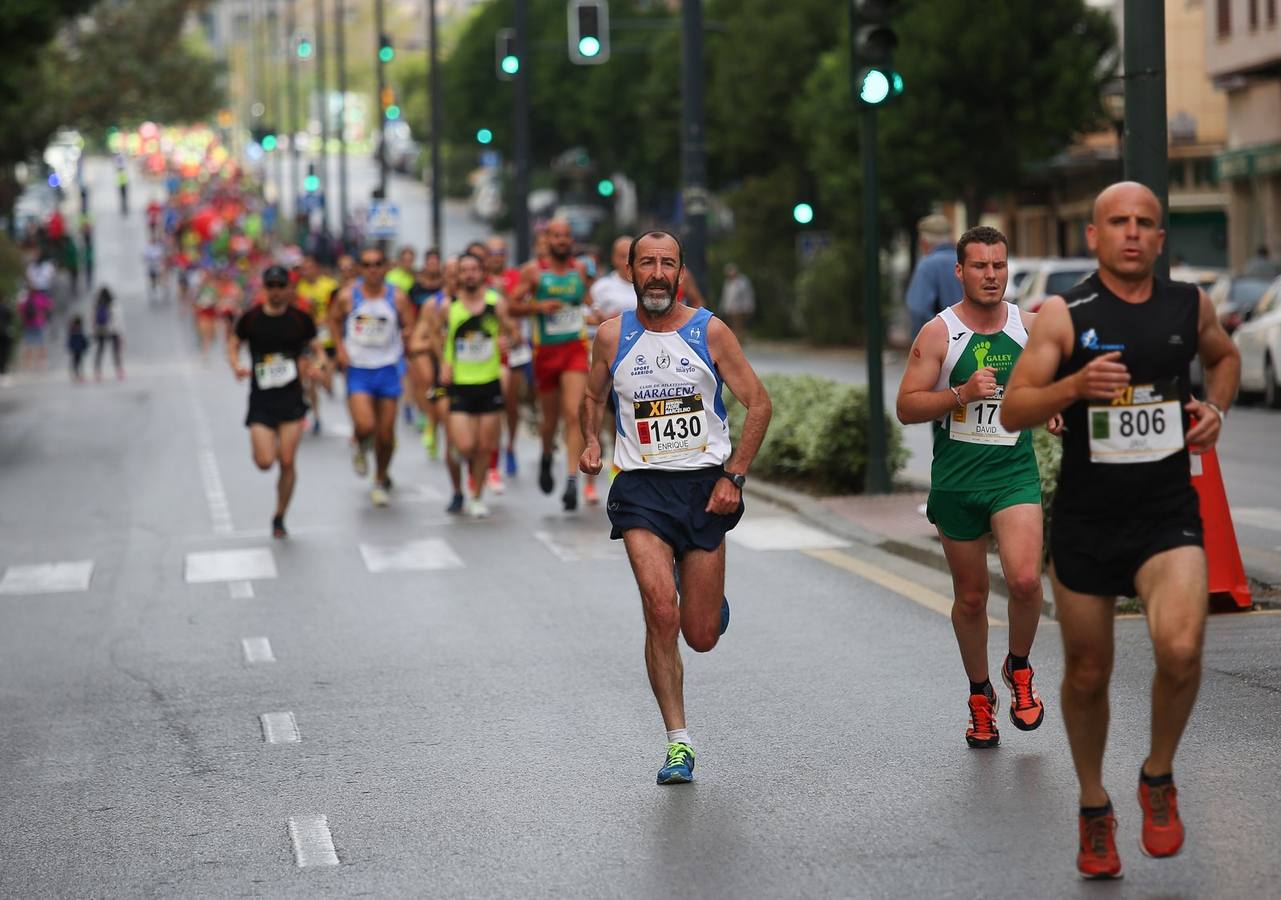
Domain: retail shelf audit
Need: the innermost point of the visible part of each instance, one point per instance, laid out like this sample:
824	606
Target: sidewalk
894	523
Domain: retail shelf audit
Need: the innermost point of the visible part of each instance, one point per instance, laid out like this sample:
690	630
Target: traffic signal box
872	43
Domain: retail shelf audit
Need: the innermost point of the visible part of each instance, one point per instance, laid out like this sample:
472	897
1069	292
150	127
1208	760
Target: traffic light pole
340	50
520	202
433	94
323	100
291	113
379	66
1146	141
878	477
277	103
693	146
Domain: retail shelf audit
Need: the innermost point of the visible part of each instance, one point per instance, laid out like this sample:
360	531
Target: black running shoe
570	498
278	527
546	483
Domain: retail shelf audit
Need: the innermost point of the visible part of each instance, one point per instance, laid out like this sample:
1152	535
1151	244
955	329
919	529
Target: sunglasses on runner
276	284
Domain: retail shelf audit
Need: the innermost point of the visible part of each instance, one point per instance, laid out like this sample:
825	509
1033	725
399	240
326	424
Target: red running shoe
1026	709
982	732
1097	858
1162	828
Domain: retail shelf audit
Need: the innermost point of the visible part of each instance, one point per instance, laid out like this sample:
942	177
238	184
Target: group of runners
1105	366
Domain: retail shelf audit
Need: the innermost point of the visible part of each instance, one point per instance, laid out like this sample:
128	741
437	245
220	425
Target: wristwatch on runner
737	480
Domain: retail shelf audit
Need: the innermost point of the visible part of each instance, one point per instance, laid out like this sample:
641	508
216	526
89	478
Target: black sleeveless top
1158	340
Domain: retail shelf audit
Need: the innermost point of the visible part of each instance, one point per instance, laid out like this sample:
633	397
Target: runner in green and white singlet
983	479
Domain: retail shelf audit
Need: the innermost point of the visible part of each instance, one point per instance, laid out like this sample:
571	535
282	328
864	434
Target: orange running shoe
1097	857
982	732
1162	828
1026	708
589	493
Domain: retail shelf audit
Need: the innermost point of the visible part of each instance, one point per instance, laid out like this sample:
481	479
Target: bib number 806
1142	422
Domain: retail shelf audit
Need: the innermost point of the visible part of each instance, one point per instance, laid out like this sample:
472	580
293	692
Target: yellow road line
931	600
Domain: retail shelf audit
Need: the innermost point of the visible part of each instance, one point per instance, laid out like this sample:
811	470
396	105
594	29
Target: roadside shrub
1049	454
817	439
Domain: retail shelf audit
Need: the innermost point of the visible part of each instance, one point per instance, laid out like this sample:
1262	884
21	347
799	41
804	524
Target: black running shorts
1102	555
476	399
272	411
671	505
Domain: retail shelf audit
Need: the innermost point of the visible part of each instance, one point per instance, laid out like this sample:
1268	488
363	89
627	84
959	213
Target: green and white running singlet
567	324
471	344
971	449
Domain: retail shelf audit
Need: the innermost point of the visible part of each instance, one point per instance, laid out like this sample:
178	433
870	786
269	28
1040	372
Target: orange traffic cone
1229	588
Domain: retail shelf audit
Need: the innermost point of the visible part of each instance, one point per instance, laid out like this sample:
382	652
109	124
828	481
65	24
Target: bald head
618	254
1127	194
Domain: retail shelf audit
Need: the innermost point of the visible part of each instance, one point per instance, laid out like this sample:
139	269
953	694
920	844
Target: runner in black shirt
1112	355
279	336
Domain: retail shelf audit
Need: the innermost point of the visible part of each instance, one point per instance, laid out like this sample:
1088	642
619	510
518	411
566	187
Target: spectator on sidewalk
6	337
77	346
738	300
934	284
35	310
108	328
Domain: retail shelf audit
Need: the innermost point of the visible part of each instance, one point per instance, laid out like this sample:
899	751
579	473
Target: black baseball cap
275	276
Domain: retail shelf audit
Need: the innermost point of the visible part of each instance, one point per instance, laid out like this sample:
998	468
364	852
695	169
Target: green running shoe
679	768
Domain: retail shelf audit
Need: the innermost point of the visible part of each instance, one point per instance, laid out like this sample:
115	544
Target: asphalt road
395	703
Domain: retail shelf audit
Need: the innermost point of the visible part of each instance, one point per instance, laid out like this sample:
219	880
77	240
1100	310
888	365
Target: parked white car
1259	340
1051	277
1018	269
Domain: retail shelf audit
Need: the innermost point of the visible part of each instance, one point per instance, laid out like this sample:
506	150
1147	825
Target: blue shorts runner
672	505
382	383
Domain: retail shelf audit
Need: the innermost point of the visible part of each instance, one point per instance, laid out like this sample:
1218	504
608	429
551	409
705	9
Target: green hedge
817	438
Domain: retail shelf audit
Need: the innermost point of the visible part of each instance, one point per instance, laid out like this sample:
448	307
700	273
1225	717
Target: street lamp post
1146	138
340	50
323	98
291	112
520	202
433	97
693	147
379	67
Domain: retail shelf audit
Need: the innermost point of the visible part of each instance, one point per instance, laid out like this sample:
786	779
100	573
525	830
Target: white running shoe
379	495
476	509
359	459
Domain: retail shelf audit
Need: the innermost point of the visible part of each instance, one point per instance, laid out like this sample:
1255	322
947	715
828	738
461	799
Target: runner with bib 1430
983	479
680	488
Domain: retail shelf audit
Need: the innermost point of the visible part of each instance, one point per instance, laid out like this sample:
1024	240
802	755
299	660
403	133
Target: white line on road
241	590
229	565
313	844
898	584
211	479
47	578
1259	517
257	650
410	556
280	728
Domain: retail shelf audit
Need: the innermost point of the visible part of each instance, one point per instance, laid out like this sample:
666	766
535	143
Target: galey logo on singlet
983	357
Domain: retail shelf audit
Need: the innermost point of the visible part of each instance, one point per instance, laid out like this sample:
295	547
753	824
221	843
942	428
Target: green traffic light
605	187
589	46
896	83
393	112
311	183
269	143
511	64
803	213
875	87
386	54
304	49
484	136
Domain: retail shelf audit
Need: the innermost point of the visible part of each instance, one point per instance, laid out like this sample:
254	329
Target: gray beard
656	306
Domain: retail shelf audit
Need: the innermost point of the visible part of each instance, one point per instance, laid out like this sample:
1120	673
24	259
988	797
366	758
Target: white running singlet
372	333
670	414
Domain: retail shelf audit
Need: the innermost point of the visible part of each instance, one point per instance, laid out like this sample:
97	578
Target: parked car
1018	269
1236	298
402	150
1259	340
1050	277
1204	277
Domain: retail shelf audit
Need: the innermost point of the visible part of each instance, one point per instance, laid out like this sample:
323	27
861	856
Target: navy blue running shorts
671	505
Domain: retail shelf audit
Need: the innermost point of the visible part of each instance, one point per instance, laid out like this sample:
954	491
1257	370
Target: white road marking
257	650
897	583
280	728
229	565
48	578
578	545
211	479
241	590
410	556
1259	517
313	844
782	533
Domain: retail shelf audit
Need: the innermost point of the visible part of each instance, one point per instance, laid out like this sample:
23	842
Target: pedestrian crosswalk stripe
579	545
48	578
257	650
229	565
410	556
782	533
897	583
1259	517
279	728
313	844
241	590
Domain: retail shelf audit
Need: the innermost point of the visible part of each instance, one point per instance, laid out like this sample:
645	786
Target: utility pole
277	102
878	477
520	202
382	111
340	50
323	98
1146	144
291	113
437	238
693	144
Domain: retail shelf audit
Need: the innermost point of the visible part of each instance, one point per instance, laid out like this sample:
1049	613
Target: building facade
1243	57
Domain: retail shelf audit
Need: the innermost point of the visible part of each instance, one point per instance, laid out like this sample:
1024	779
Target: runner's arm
742	380
1032	396
599	379
1222	362
522	302
408	317
507	323
233	356
693	296
337	314
917	399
